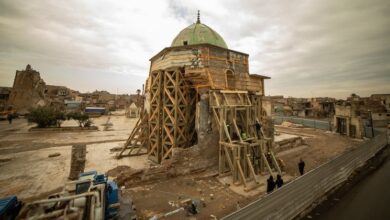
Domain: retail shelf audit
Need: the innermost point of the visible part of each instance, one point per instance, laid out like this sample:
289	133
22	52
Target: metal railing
296	196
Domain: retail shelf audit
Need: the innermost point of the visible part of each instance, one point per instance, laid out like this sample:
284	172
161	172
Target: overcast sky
308	47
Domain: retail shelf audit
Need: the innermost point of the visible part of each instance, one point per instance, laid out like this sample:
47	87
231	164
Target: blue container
9	207
112	198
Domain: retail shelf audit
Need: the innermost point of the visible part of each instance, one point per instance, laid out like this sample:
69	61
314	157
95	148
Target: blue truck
92	196
95	110
9	207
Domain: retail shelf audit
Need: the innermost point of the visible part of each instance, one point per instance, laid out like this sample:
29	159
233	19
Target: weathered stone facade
28	90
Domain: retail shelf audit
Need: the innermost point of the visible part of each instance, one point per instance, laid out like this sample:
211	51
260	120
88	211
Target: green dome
198	34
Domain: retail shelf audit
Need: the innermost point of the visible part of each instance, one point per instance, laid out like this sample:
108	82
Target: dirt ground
165	196
320	147
28	172
161	197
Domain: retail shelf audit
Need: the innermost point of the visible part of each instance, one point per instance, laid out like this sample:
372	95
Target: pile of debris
288	124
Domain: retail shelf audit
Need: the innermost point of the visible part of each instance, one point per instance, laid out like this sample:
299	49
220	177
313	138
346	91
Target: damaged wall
221	68
28	90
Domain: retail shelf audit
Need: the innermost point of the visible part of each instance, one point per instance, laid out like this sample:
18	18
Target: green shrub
83	119
60	117
88	123
46	117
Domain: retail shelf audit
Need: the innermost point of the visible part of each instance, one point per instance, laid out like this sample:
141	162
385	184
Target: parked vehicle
92	196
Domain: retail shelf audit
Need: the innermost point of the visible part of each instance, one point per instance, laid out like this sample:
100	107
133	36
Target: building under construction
201	93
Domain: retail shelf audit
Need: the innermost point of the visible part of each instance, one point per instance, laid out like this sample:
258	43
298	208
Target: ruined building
4	97
28	90
200	95
357	116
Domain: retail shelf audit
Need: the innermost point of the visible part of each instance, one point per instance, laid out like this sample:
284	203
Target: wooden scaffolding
137	142
243	152
171	121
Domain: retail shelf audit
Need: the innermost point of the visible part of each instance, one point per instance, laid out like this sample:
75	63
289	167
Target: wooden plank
241	172
216	115
233	92
229	160
266	163
275	163
225	98
216	98
226	130
237	131
251	169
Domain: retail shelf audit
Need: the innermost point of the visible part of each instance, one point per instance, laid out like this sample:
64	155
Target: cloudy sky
308	47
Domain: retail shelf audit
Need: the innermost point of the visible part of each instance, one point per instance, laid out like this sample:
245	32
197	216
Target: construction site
199	138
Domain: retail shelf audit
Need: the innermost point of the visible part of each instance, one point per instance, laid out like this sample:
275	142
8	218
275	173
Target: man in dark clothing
258	129
9	117
270	184
301	166
279	181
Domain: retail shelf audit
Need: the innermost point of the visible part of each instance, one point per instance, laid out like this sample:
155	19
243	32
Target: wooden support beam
275	162
216	117
226	130
266	163
221	165
252	170
237	153
235	124
229	144
226	101
240	98
229	160
243	179
249	101
233	91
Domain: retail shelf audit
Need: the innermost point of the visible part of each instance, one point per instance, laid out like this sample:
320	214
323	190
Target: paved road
368	200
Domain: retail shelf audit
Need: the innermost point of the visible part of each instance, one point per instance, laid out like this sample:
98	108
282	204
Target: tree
60	117
83	119
46	117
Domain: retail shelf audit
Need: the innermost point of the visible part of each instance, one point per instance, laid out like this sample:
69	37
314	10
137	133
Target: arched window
230	83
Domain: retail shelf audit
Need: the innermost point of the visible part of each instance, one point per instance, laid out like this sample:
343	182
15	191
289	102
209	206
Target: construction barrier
311	123
298	195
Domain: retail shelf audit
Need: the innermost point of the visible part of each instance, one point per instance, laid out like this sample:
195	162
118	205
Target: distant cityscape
350	117
30	90
353	116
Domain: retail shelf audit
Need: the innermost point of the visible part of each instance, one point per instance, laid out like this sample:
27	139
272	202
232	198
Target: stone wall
28	90
287	144
268	127
197	158
268	107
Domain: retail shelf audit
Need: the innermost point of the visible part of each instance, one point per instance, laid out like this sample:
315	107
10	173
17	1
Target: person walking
270	184
9	118
258	129
279	181
301	166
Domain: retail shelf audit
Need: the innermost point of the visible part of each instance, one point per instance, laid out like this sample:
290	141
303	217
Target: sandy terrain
321	147
28	172
157	198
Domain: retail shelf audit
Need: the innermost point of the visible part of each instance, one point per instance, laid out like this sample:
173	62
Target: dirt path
322	146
